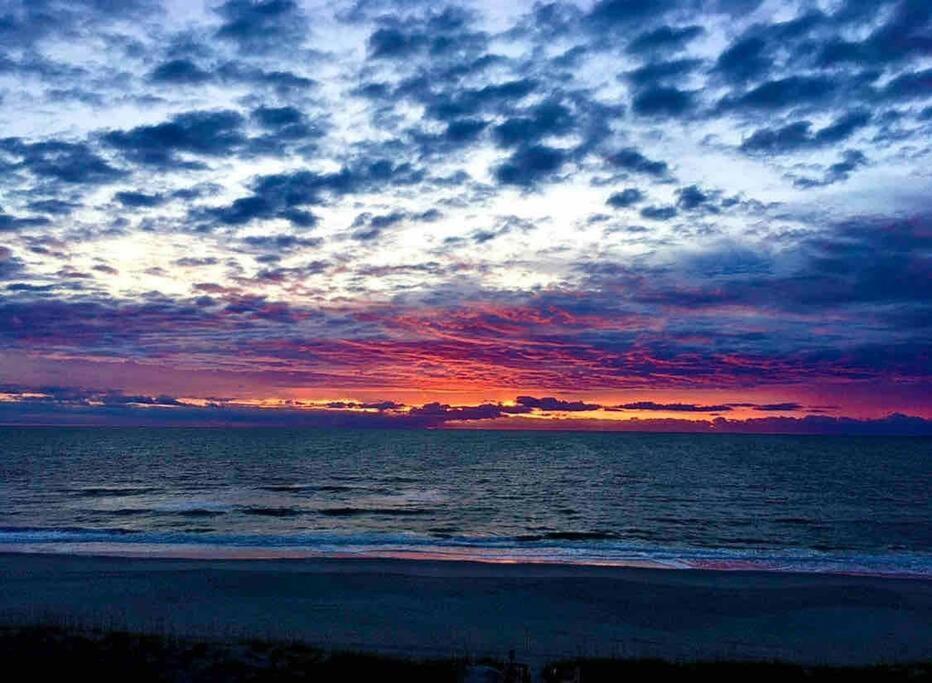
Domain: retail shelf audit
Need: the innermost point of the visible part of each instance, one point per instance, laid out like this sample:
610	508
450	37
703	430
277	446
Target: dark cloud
765	46
444	34
199	133
546	118
627	197
857	264
630	159
896	424
393	42
68	405
663	101
66	162
658	213
675	407
610	15
799	135
439	412
283	126
58	207
691	197
377	405
744	59
263	25
465	130
664	38
284	195
549	403
11	266
778	407
906	33
25	22
529	165
908	86
280	243
655	72
180	71
785	93
367	226
9	223
840	171
472	101
139	199
283	83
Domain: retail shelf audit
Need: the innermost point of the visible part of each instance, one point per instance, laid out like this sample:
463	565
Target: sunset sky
665	214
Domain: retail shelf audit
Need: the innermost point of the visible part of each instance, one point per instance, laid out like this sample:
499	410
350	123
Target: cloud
180	71
784	93
368	227
139	199
11	266
280	243
9	223
799	135
262	25
283	83
529	165
661	72
663	101
744	59
549	403
199	133
778	407
627	197
441	34
26	22
908	86
674	407
65	162
664	38
547	118
610	15
840	171
77	405
691	197
658	213
630	159
903	35
284	195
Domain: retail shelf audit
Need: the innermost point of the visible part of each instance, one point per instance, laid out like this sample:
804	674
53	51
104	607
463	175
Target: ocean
777	503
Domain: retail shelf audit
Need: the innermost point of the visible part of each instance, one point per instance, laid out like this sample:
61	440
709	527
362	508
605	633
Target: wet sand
429	608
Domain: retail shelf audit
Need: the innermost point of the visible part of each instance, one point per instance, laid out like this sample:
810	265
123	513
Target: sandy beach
426	608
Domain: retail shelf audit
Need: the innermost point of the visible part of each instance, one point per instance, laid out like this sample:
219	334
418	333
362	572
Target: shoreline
428	607
227	553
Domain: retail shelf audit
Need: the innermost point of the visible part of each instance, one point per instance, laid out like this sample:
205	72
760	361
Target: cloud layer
691	209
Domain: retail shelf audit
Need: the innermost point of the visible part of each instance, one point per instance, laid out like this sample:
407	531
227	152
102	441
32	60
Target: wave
556	548
112	491
321	488
386	512
271	512
199	512
287	488
570	536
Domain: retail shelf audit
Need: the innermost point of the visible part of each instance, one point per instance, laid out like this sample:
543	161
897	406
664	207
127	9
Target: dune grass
614	670
60	653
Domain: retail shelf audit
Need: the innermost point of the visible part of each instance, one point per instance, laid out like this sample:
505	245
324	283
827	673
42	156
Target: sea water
778	503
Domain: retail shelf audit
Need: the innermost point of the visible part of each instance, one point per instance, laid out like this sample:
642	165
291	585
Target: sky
701	215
